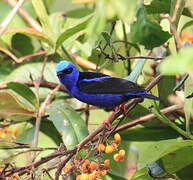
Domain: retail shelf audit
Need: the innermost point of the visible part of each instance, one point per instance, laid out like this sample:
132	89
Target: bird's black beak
60	74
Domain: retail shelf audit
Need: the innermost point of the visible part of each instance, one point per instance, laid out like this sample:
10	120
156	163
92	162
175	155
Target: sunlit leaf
24	91
71	31
10	104
179	63
30	32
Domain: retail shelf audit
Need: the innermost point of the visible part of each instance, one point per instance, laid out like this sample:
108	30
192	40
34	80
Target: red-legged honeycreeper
98	89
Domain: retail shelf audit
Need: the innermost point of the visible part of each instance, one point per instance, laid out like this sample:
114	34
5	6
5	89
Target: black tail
150	96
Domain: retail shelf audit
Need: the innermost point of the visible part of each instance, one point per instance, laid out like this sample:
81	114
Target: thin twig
11	15
41	113
32	22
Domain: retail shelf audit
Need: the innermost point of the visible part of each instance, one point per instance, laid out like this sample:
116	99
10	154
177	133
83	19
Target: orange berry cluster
113	147
8	133
91	170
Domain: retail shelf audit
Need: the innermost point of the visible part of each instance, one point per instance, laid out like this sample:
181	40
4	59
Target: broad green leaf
10	105
151	151
71	31
177	160
22	44
158	6
169	82
141	133
24	91
152	36
179	63
23	72
68	123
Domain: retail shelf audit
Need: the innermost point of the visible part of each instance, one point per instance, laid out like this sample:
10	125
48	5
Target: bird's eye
67	71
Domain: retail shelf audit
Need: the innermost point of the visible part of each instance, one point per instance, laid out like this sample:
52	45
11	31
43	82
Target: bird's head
67	73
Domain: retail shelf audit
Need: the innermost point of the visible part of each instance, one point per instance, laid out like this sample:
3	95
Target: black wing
103	84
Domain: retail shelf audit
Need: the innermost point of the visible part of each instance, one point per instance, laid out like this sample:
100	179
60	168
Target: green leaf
152	36
71	31
11	105
140	133
43	17
179	63
158	6
177	160
79	12
24	91
22	44
107	38
30	32
152	151
169	82
22	73
68	123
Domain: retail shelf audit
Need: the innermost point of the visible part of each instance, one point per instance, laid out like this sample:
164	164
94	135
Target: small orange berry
78	177
103	172
67	168
118	157
109	149
84	176
15	131
87	161
117	138
2	134
115	145
94	165
107	163
101	147
92	176
84	167
122	152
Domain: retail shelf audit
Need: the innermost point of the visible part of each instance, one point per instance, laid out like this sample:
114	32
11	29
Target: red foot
122	108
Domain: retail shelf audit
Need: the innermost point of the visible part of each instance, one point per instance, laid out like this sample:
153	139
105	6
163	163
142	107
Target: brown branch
148	117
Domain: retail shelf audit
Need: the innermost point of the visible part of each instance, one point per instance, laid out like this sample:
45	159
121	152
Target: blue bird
98	89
